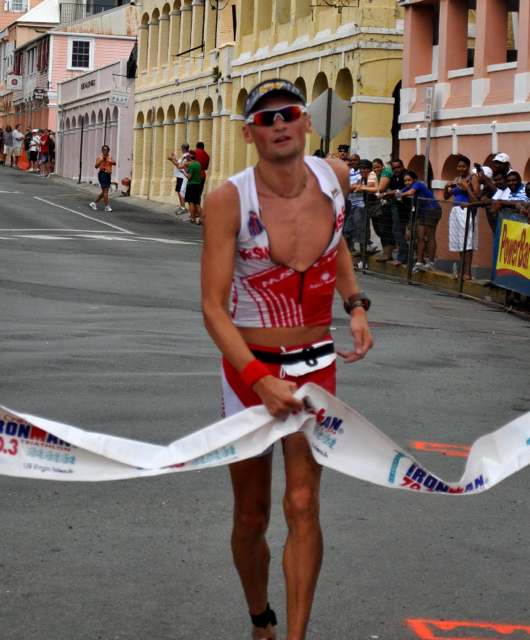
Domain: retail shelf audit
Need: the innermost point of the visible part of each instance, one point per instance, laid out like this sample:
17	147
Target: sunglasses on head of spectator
267	117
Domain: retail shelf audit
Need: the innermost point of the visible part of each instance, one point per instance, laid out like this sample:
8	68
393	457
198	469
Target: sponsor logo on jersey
255	226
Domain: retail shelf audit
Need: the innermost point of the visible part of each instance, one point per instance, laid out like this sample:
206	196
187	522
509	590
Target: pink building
66	52
88	118
476	54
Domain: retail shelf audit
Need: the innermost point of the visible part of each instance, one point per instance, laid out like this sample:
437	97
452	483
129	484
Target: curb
480	289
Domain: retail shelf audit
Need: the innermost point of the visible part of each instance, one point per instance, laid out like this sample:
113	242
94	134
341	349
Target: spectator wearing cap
502	161
343	152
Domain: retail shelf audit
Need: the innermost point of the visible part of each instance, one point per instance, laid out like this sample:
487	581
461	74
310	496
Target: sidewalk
481	289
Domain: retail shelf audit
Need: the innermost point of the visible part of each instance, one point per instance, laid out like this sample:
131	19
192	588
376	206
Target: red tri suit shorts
238	397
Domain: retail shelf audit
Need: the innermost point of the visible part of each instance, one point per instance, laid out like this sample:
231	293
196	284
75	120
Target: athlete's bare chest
299	229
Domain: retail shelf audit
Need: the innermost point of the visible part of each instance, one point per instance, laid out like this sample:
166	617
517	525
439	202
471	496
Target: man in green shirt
193	189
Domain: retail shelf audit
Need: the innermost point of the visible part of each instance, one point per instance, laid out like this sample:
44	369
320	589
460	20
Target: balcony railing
70	12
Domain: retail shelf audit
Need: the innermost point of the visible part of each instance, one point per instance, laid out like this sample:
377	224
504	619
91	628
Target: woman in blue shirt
428	215
464	189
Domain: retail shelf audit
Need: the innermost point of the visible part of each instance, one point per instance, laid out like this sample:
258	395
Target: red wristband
254	371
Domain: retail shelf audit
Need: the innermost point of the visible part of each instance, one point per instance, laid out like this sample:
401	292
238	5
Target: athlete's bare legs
251	482
303	553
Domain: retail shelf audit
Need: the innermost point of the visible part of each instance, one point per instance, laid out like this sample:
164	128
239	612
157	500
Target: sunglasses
267	117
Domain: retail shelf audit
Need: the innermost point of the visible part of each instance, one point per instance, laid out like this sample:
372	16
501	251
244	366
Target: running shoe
429	266
372	248
419	266
108	209
93	205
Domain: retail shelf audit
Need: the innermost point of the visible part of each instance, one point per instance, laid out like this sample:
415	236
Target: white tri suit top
265	294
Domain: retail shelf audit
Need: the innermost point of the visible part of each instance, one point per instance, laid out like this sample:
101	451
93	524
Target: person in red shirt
44	159
204	160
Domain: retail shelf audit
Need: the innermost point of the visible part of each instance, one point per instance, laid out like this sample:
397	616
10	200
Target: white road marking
9	191
166	241
40	237
56	230
75	236
85	216
109	238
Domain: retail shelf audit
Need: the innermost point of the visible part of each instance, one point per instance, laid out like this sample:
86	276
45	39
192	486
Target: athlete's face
282	139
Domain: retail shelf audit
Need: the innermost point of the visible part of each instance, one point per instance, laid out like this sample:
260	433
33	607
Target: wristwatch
357	300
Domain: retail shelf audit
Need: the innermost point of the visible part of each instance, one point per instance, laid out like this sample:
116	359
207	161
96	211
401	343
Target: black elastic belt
309	355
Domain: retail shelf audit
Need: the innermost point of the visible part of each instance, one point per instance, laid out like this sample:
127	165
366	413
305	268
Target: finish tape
340	439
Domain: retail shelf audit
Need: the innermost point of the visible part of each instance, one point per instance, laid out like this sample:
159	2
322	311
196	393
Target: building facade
65	52
198	60
476	54
88	119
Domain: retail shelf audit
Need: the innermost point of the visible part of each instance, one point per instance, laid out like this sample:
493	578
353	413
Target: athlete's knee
301	506
251	523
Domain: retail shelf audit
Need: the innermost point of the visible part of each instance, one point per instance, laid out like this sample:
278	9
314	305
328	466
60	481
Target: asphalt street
101	328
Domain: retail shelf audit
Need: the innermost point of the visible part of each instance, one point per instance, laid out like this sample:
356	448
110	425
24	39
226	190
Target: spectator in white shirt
34	148
18	137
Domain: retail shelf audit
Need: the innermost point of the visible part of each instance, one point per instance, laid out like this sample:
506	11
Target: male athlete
273	245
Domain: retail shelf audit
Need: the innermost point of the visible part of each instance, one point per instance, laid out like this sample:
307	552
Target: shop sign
119	96
39	94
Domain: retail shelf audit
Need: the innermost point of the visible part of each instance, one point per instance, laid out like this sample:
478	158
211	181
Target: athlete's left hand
362	338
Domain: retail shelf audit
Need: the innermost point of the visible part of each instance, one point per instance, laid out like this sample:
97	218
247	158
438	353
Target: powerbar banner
511	268
340	439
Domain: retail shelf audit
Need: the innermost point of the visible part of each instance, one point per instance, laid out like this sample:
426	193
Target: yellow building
198	59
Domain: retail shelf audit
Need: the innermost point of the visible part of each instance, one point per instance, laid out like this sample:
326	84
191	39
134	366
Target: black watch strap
357	300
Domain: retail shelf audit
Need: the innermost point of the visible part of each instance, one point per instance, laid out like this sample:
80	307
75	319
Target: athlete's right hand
277	396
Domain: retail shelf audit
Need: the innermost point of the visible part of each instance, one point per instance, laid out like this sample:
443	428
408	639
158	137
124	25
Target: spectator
354	202
34	151
464	189
499	180
343	152
51	146
180	164
400	212
8	145
524	207
428	215
18	137
502	161
1	145
193	189
27	140
383	223
319	154
517	193
44	158
204	160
